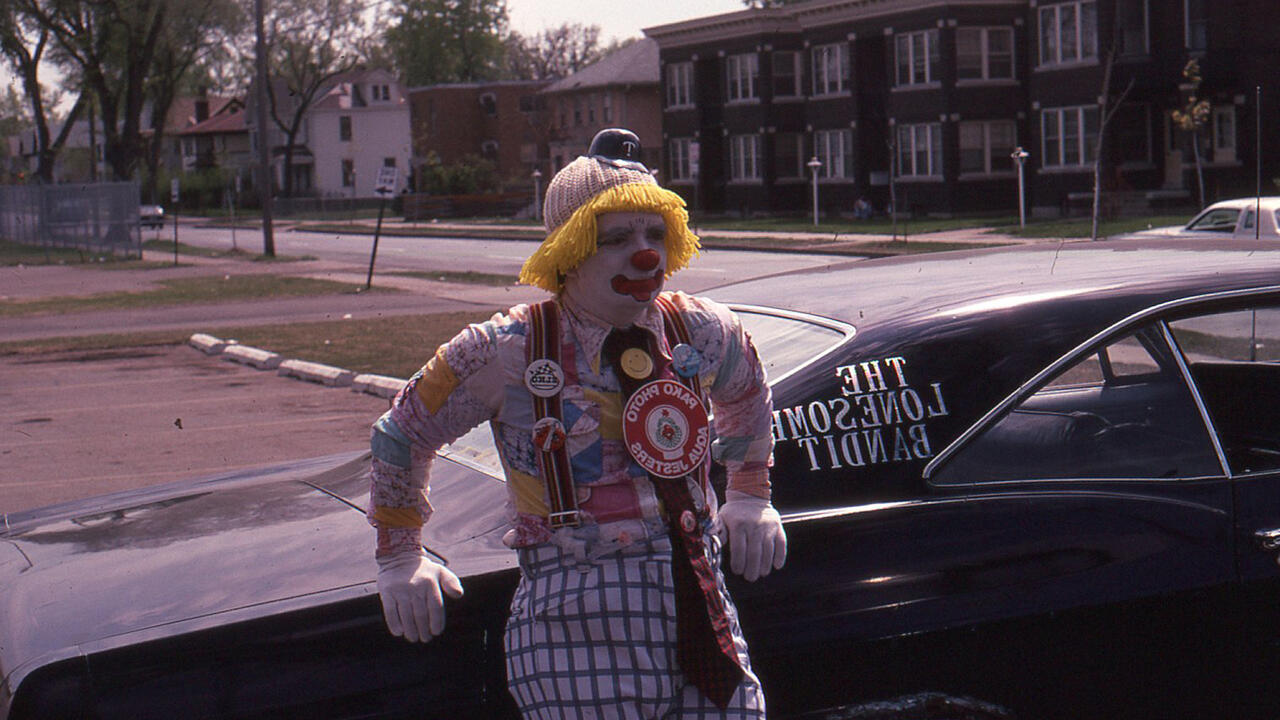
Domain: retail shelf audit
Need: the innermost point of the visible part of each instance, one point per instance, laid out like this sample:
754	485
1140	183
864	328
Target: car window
1123	411
1234	358
1216	220
786	343
1249	218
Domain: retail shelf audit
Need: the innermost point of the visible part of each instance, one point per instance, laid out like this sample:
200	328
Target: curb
381	385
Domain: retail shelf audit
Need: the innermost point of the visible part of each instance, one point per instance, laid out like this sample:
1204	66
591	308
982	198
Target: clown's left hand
752	531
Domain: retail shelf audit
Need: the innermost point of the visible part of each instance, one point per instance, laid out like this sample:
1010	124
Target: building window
1132	141
680	85
388	162
489	150
681	161
606	108
786	74
920	150
830	68
789	158
986	146
1224	133
1069	135
834	149
1197	14
348	173
1131	27
380	92
1068	33
984	53
741	74
744	158
591	109
489	102
344	128
577	111
916	56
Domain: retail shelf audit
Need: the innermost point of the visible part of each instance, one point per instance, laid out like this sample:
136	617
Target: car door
1094	508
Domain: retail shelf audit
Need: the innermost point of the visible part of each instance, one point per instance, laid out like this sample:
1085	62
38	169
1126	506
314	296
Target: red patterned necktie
704	638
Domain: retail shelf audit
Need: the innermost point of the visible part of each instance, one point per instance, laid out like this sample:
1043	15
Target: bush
472	175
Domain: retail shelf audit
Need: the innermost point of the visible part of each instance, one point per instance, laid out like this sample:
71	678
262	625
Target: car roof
1266	202
1085	283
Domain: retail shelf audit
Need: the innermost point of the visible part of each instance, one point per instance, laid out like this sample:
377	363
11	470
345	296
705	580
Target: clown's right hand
413	589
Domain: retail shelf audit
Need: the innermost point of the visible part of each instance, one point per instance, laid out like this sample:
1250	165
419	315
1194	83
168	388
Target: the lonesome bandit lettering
879	417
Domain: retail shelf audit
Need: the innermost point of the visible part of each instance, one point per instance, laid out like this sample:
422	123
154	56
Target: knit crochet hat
610	178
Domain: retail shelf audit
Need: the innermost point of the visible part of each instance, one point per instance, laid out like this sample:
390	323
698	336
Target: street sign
387	177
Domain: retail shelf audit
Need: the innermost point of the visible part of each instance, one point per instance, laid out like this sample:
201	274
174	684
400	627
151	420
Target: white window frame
347	170
1225	133
1060	120
905	51
830	146
742	77
985	54
990	153
917	141
680	169
1083	49
744	158
680	85
826	59
792	58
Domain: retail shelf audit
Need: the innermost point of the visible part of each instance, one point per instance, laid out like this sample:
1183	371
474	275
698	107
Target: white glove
756	541
412	599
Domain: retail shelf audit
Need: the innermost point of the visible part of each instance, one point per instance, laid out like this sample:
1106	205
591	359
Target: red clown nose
645	260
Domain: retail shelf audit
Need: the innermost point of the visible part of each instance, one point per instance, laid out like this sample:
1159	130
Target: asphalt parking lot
79	424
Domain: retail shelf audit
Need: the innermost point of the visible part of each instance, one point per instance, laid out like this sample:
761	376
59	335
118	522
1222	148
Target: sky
619	20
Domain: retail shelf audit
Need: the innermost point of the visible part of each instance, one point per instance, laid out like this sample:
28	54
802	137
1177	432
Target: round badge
687	523
665	428
544	378
548	434
686	360
636	363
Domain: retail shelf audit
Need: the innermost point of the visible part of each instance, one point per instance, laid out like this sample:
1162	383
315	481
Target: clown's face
626	273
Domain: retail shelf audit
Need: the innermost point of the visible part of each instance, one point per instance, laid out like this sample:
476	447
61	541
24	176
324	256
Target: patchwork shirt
479	376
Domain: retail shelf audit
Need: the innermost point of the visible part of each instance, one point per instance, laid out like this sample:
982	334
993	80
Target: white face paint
627	271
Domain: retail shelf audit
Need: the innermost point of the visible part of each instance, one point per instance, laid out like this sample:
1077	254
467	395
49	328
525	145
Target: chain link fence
101	218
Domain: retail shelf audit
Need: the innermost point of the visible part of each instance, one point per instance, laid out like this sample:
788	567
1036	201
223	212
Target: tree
310	44
14	115
554	52
1106	112
440	41
1193	116
23	43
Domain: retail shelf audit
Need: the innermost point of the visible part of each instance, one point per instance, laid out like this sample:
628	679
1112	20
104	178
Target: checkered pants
598	639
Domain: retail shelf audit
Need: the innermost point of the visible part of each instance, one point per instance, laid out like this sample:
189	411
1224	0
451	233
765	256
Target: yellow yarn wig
575	240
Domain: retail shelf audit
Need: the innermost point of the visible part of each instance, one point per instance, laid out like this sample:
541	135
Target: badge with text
686	360
665	427
544	378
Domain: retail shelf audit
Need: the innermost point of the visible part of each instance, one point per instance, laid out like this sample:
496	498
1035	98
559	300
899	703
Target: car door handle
1269	539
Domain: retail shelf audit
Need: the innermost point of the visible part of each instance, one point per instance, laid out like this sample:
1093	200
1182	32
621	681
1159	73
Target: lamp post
1020	156
813	165
537	194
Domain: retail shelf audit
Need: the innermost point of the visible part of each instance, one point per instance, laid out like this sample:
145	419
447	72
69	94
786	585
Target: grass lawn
879	225
1082	227
186	291
469	277
12	253
397	346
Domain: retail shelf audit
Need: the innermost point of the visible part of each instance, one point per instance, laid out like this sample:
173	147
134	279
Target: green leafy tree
310	45
1193	116
440	41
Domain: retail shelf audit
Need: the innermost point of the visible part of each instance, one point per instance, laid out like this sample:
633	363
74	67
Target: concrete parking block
316	372
380	385
256	357
207	344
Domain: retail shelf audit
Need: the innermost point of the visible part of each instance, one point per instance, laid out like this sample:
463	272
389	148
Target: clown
598	400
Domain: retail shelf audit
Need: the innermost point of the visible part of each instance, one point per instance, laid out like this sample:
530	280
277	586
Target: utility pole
264	149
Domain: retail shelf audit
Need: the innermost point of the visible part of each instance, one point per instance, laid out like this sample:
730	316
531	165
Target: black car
1032	482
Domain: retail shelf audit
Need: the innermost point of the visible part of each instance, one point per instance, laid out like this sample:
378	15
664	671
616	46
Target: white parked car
151	216
1228	219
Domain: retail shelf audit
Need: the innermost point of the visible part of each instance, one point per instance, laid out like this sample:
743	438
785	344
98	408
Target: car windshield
1215	220
785	343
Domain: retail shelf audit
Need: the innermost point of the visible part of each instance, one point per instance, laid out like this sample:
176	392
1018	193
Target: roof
229	120
634	64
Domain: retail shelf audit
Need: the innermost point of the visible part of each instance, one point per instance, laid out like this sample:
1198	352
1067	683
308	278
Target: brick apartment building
505	122
925	100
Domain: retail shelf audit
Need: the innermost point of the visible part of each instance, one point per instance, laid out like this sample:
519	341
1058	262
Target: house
503	121
220	141
358	124
620	90
924	102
